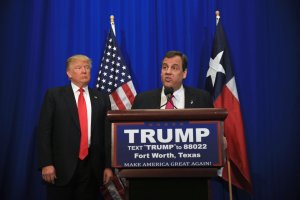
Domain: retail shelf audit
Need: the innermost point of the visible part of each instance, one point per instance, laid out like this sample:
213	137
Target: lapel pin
192	102
95	97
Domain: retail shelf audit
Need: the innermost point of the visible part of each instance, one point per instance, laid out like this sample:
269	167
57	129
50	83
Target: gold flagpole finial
217	17
112	23
112	19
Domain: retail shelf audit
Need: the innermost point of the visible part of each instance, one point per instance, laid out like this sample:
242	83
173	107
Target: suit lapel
93	99
71	103
189	101
156	99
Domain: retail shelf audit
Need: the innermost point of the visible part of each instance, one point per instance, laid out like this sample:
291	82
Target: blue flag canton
220	70
113	71
219	45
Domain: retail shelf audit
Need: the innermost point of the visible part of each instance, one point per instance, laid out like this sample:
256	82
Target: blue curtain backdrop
37	37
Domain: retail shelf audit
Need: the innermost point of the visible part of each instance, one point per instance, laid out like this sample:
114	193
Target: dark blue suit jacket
194	98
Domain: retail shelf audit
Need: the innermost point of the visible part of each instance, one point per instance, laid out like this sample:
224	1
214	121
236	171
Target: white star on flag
215	67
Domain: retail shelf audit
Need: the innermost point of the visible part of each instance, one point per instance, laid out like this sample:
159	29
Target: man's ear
184	73
69	74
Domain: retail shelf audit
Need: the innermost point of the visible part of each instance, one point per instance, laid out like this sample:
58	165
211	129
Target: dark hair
171	54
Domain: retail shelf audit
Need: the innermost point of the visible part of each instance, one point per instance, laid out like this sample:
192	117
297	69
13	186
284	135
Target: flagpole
112	23
217	17
228	161
229	179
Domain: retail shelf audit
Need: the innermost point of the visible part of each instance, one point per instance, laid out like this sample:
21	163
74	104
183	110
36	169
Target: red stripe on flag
117	100
128	92
236	148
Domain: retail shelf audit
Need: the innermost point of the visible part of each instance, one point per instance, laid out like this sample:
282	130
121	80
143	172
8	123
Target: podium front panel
167	144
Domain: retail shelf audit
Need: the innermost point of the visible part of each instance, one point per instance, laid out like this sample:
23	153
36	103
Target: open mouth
168	79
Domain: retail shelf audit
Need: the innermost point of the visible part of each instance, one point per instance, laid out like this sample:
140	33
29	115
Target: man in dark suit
73	136
173	72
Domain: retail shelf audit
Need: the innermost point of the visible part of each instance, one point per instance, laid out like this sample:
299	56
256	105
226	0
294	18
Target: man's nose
83	70
169	70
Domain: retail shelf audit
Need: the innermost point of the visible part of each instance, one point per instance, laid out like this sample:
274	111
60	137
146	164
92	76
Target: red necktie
82	112
170	104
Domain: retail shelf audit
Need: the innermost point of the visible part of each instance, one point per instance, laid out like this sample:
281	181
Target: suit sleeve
137	102
45	126
209	100
108	139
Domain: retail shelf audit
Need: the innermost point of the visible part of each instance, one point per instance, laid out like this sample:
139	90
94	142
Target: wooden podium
170	182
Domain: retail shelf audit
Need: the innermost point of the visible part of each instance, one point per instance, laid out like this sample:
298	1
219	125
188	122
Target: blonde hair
78	57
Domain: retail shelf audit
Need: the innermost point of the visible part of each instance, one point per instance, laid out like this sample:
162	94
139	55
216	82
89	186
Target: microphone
169	93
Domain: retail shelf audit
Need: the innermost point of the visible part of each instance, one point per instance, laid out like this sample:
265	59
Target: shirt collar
176	94
75	88
179	93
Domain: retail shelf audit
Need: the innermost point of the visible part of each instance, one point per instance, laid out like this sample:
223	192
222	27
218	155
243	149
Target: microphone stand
169	97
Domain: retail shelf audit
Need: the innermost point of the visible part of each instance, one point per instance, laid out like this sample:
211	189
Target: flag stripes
220	82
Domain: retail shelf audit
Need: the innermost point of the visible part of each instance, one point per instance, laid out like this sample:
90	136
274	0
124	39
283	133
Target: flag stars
215	67
113	71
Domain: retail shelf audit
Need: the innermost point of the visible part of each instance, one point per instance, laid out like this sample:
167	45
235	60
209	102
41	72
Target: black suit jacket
59	133
194	98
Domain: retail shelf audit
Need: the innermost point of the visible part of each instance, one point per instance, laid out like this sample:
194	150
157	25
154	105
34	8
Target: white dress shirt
178	98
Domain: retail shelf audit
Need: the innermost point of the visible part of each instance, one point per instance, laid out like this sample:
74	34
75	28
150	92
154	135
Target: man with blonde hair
74	136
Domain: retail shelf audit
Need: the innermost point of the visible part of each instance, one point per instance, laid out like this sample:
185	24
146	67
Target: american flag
114	78
220	82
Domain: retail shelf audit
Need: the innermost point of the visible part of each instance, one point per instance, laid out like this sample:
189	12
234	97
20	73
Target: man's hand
107	175
49	174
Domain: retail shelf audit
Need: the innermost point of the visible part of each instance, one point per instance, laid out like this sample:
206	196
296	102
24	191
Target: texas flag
220	82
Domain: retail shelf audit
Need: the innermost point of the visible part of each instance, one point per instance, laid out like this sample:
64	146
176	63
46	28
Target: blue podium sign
167	144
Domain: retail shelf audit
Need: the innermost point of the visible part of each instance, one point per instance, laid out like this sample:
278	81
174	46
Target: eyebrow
171	65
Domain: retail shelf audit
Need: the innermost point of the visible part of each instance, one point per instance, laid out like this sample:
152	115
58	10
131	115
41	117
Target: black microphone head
169	91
